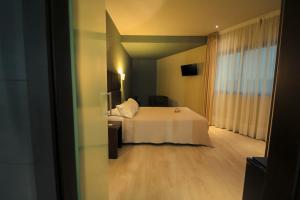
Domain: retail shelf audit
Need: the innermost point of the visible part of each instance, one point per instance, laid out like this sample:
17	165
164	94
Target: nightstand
114	138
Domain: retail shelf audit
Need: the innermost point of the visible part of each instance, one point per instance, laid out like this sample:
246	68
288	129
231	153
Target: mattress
164	125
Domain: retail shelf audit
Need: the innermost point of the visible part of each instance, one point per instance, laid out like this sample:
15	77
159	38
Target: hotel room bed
158	124
164	125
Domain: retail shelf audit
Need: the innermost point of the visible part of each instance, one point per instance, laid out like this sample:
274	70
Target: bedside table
114	138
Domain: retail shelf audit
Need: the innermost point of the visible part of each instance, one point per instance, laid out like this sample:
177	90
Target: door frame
282	177
60	76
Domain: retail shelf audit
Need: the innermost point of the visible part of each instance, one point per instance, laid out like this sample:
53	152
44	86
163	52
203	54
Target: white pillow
115	112
127	109
133	104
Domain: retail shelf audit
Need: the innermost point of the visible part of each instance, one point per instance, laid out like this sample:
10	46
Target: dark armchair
158	101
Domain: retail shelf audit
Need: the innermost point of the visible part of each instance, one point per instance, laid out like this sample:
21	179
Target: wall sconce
122	77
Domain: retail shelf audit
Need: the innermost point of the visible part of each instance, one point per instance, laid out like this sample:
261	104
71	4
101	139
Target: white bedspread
163	125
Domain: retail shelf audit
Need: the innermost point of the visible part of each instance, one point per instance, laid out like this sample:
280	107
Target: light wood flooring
174	172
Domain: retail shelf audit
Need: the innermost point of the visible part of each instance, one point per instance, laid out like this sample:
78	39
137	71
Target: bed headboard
114	86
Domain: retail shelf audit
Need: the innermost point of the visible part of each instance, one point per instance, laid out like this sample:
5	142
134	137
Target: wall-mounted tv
189	70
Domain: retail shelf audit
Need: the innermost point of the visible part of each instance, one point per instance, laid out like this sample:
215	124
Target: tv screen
189	70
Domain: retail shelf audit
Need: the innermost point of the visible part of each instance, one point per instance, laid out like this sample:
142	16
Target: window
246	72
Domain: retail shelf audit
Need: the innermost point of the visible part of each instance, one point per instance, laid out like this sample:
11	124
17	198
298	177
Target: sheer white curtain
244	78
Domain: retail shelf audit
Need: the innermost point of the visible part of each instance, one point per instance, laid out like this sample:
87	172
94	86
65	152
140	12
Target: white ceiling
184	17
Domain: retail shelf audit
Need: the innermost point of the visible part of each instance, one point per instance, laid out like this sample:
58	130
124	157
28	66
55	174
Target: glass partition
89	81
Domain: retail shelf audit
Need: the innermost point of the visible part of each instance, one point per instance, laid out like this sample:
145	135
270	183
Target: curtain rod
251	21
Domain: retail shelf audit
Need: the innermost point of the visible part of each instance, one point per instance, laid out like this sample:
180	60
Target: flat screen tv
189	70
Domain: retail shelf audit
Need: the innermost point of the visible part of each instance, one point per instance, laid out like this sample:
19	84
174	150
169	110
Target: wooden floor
173	172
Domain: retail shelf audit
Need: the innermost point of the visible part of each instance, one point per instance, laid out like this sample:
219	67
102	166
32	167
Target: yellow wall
117	57
183	90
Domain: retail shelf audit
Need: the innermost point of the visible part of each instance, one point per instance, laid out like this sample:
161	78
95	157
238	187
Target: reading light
122	77
120	71
217	26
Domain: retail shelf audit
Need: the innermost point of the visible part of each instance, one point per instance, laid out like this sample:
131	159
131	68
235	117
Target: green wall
117	57
143	79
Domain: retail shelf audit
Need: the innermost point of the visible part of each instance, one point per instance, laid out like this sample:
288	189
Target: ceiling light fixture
217	26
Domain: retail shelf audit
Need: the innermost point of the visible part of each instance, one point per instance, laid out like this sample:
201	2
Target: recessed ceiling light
217	26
